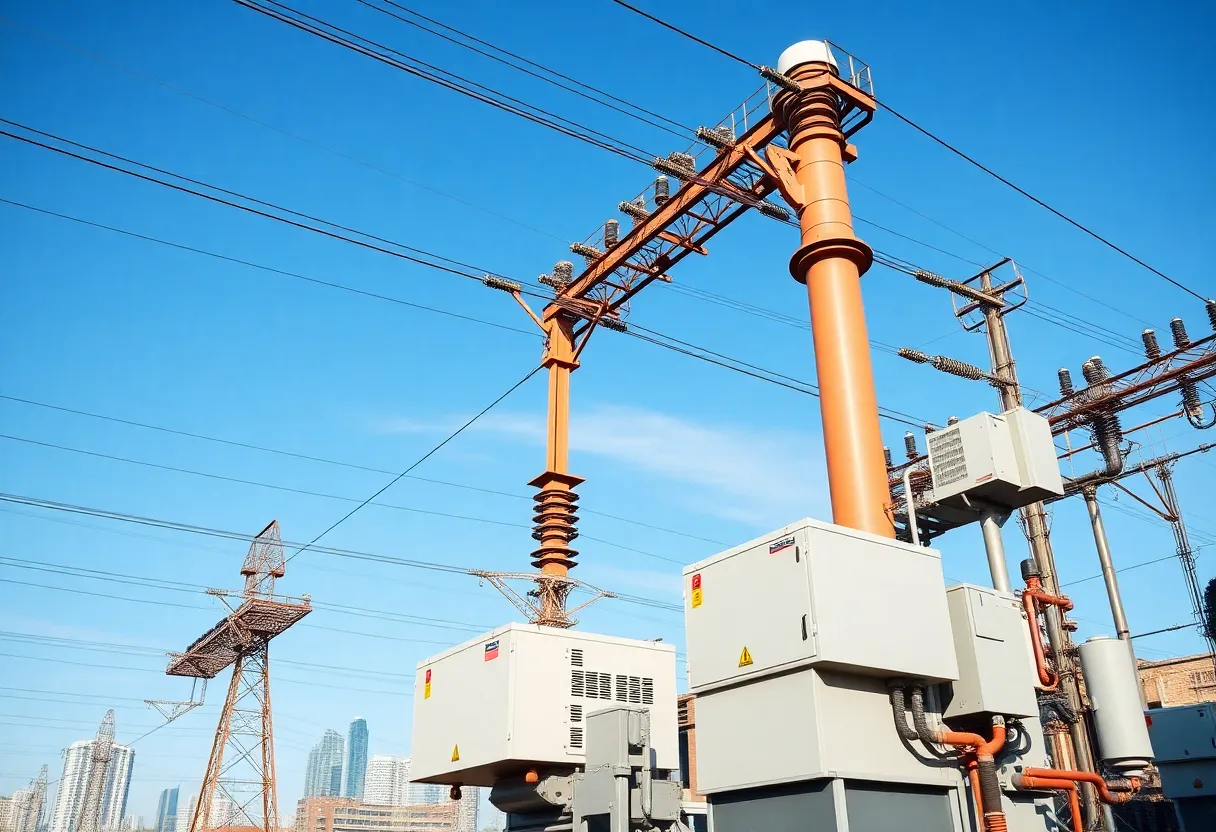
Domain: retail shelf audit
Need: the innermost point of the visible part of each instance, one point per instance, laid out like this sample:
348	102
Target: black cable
417	462
281	131
684	131
944	144
271	269
544	118
1038	201
231	204
686	34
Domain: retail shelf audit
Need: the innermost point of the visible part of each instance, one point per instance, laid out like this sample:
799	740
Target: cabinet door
752	613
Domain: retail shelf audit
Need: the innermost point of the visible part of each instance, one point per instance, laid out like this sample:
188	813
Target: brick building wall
331	814
687	721
1185	680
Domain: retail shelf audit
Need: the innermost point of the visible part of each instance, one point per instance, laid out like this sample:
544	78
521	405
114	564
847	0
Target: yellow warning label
426	691
696	597
455	753
745	658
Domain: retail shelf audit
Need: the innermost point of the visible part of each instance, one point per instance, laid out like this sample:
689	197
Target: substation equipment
840	684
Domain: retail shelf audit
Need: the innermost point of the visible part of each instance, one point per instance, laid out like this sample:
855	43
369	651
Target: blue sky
1104	111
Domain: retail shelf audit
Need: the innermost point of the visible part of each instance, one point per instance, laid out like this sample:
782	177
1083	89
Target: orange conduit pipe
983	780
1074	801
973	777
1041	778
1032	597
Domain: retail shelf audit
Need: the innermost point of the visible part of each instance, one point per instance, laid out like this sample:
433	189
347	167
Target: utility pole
991	303
1034	520
1182	545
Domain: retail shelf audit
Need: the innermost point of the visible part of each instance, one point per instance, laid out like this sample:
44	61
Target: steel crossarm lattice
1196	362
706	202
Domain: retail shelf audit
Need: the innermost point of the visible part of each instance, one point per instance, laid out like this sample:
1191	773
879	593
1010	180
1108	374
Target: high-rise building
466	810
388	781
323	775
166	810
132	823
185	813
6	814
419	793
356	759
77	761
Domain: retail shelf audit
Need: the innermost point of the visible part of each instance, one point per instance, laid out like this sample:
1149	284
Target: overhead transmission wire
63	44
418	461
326	461
646	117
178	526
468	273
948	146
880	258
308	493
271	269
456	83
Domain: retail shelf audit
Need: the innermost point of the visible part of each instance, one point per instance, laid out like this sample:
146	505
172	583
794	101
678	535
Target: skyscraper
166	810
356	759
388	781
323	776
466	810
77	762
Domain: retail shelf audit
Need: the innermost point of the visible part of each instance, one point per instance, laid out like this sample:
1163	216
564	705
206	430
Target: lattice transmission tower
89	819
239	784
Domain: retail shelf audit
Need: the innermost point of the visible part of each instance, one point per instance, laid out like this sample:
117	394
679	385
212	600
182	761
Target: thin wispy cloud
755	476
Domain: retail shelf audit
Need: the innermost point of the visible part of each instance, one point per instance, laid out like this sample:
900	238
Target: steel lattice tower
89	819
239	784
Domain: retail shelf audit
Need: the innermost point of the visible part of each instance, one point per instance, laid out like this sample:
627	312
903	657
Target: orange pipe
1040	778
830	262
1032	597
1074	801
973	777
985	750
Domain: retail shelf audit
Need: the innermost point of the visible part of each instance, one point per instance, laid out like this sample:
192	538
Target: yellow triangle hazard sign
455	753
745	658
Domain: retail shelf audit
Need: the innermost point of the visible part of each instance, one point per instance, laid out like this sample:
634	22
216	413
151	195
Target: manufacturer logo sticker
696	590
784	543
492	650
426	687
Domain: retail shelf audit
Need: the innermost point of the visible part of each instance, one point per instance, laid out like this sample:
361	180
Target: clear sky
1106	110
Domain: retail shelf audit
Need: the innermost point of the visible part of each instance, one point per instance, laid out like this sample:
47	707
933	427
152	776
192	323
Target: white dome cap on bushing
805	52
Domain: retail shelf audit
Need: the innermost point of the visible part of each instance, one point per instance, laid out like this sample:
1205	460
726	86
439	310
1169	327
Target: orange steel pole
556	511
830	262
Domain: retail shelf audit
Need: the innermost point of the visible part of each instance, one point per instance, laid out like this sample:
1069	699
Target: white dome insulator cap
805	52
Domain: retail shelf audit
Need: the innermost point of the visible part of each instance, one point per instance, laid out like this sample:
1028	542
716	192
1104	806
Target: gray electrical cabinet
1184	741
1006	460
995	666
815	594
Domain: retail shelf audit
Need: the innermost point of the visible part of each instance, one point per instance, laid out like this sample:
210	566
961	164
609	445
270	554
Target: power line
188	528
271	269
428	72
63	44
686	34
466	271
683	131
943	143
335	462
